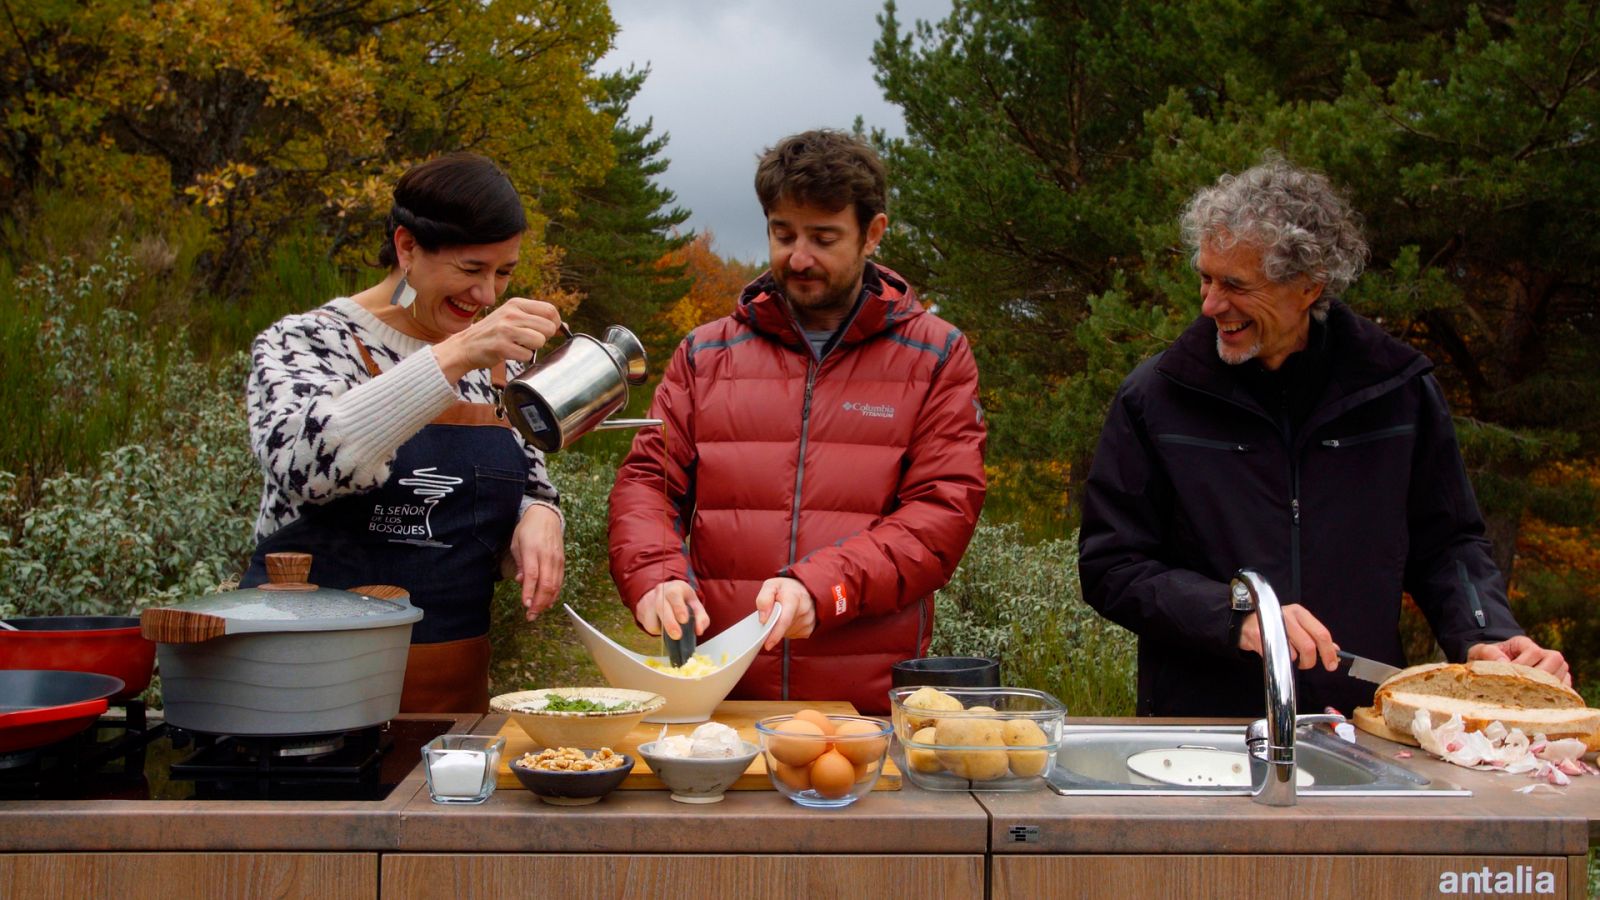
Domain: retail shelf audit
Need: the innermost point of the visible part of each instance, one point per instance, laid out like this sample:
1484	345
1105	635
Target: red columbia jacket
860	474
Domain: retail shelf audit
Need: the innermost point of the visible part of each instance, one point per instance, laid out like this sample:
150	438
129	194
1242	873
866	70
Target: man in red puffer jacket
823	447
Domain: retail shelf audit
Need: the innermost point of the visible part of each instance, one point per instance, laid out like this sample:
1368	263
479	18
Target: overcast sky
728	78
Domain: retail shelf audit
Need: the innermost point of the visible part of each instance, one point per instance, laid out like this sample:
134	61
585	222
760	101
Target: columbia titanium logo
871	411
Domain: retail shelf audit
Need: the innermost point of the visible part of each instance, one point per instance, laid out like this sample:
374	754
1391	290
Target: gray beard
1239	357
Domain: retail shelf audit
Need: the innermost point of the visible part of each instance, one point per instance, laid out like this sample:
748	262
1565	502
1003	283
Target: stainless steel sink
1093	760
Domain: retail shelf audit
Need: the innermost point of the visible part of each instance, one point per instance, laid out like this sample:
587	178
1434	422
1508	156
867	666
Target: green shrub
148	523
546	652
1020	603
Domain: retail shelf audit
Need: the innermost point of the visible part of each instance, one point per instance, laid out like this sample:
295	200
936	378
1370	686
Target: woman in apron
376	423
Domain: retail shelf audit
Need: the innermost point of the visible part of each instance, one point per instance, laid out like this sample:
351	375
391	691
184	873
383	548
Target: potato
921	759
925	700
1025	733
972	764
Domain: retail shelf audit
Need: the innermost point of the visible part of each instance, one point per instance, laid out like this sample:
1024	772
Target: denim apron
436	528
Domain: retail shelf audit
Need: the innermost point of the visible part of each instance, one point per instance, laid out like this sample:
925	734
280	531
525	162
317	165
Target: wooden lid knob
288	572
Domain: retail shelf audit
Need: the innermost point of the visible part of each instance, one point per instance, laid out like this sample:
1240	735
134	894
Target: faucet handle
1318	719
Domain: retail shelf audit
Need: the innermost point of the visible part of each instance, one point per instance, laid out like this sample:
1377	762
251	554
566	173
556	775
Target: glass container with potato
821	760
977	739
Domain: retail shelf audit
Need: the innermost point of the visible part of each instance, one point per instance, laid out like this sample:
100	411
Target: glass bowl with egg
976	739
822	760
692	692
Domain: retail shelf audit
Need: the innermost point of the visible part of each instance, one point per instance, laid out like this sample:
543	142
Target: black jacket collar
1364	361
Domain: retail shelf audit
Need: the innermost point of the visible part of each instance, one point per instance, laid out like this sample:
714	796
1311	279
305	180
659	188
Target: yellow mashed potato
698	666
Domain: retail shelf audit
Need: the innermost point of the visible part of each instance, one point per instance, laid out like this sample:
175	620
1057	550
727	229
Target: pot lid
287	603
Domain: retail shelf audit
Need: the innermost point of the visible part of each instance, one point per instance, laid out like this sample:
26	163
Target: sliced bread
1400	709
1484	681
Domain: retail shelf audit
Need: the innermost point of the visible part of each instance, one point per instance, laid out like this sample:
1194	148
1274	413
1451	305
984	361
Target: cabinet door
169	875
408	875
1287	876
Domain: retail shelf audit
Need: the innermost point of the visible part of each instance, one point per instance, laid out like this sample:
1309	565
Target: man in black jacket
1283	432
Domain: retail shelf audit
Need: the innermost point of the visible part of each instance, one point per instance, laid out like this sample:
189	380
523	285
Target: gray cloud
730	77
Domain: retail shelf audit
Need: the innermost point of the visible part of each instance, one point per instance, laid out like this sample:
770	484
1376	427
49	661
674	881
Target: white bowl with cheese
690	697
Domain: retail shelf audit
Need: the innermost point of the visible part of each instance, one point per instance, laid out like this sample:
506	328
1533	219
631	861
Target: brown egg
816	718
795	778
861	750
806	745
865	770
832	775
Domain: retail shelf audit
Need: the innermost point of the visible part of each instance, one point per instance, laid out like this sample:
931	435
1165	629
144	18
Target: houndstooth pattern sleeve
319	425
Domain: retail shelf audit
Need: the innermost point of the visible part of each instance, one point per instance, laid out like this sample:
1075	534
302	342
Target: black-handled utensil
681	650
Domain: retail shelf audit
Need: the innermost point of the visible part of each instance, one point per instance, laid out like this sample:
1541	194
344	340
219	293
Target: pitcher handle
565	329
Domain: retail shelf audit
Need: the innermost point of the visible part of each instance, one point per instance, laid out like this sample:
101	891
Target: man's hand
667	605
1309	641
1523	651
539	559
798	617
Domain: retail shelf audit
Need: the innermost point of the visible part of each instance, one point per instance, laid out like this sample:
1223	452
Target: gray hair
1300	223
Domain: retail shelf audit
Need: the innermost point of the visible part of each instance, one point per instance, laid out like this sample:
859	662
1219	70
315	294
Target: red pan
110	645
41	706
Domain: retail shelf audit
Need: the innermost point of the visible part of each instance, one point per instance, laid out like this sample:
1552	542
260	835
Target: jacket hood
886	301
1362	357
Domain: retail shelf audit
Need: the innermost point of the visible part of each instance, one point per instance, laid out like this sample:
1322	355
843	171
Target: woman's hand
539	558
514	330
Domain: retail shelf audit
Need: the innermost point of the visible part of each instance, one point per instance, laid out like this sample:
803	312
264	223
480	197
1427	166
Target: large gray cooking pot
284	658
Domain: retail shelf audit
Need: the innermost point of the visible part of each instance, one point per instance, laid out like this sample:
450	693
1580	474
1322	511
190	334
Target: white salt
457	773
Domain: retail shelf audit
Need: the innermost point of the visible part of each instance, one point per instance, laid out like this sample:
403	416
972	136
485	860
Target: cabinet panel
1288	876
618	875
162	876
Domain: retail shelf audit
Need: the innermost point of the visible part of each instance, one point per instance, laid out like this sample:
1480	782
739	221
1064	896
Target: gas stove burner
347	757
309	748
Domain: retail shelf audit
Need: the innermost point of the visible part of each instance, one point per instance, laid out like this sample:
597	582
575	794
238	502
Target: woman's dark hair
454	200
824	168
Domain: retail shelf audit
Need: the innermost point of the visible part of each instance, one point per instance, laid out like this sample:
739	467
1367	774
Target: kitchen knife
681	650
1368	669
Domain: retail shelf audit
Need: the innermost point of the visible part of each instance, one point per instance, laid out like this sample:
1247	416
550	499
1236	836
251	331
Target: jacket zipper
812	366
1207	443
1378	435
1287	430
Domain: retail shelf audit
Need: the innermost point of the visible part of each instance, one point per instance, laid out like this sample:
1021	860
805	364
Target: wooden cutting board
740	715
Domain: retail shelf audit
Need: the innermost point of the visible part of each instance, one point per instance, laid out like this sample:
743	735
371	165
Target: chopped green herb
558	703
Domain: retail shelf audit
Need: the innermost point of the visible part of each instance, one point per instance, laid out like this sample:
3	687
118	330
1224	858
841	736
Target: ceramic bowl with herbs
577	716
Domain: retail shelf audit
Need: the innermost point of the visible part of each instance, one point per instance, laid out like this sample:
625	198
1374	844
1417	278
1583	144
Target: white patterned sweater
322	427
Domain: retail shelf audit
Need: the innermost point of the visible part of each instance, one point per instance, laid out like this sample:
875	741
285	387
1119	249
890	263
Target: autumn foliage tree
272	115
714	284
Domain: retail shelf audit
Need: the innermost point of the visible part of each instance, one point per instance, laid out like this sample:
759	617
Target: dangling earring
404	294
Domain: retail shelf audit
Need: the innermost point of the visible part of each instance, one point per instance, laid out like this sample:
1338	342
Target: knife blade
681	650
1368	669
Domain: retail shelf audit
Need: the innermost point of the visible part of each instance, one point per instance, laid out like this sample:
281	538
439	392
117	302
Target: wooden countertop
1496	820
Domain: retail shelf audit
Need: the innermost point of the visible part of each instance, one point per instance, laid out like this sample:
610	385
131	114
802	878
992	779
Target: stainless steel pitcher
570	392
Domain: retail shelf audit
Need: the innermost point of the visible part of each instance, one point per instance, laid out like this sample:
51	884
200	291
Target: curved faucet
1271	740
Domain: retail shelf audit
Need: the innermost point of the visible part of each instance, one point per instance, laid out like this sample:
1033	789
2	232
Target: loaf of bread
1489	682
1480	692
1400	710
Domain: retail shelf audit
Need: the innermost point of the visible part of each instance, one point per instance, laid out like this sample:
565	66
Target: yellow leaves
714	284
212	189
